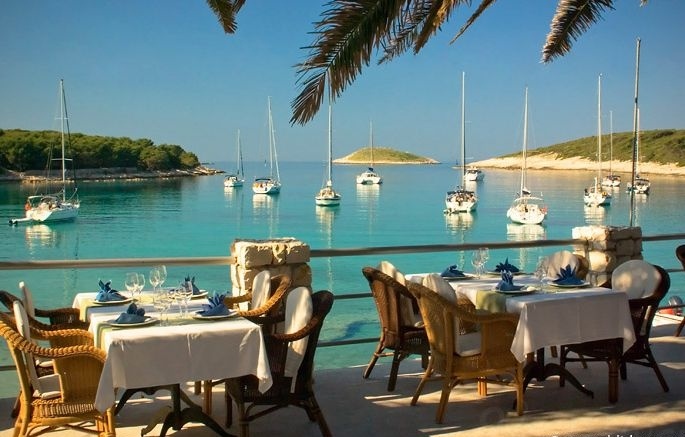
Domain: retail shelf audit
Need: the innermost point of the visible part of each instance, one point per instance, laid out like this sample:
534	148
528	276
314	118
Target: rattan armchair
680	254
284	391
266	315
398	335
486	362
78	369
59	318
652	283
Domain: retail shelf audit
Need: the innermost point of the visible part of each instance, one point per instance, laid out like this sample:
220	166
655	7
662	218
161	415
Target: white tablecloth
184	351
561	317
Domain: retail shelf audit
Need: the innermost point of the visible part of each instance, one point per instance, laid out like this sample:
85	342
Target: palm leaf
481	8
226	11
571	19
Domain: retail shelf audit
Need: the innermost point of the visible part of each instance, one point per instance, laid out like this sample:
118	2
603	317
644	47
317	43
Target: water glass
154	279
141	285
541	272
162	303
131	283
477	262
484	256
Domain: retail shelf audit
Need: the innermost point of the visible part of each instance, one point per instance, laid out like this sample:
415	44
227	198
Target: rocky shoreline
109	174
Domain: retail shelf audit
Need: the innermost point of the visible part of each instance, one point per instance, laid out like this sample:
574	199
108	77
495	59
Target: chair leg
613	380
377	353
655	366
207	397
424	379
680	327
518	380
394	370
314	412
229	406
444	398
197	389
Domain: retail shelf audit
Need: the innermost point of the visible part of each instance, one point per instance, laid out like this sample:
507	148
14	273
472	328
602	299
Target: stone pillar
280	256
607	247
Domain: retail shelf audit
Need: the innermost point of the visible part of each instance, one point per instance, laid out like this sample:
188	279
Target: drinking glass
162	303
154	279
141	285
162	274
541	271
477	262
131	283
484	256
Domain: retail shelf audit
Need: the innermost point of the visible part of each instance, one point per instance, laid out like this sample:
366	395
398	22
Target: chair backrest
261	288
408	305
23	328
680	254
436	283
389	269
322	302
558	260
27	297
386	293
8	299
298	312
637	278
13	338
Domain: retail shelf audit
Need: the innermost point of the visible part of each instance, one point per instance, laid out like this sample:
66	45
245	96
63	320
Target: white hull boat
272	183
236	179
595	195
369	176
327	196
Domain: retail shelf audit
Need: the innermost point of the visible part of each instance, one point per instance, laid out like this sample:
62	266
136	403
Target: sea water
188	217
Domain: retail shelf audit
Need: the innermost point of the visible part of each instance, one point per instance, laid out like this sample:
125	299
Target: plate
526	289
496	273
457	278
114	302
198	316
581	285
148	321
201	294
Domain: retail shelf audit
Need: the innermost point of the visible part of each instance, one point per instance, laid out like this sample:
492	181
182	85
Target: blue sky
164	70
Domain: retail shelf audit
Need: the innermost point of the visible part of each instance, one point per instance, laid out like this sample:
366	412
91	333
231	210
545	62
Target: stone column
607	247
280	256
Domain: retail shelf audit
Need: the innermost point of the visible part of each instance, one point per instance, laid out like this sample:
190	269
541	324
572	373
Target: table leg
193	413
540	371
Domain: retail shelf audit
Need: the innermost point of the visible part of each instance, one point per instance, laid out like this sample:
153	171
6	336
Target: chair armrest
59	315
274	300
64	337
232	301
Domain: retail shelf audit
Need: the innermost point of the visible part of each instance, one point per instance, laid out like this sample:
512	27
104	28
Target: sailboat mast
635	127
525	142
611	142
63	115
240	156
330	141
463	127
271	140
599	130
371	141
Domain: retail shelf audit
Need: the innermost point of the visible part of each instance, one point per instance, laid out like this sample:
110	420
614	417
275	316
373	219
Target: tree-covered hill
384	155
22	150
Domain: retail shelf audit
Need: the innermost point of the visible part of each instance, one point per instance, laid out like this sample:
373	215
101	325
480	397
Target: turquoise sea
198	217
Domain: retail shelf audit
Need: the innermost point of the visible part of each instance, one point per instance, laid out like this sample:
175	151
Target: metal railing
315	253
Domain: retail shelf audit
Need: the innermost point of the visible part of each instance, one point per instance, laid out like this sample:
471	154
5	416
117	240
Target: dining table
151	355
549	315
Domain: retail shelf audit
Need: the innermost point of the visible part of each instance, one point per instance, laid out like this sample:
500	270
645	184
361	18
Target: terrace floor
357	407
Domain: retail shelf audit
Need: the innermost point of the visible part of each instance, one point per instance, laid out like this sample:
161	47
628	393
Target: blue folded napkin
190	284
507	282
567	276
107	293
506	266
216	306
133	314
452	272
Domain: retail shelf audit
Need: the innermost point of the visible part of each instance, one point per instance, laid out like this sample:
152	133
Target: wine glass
131	283
484	256
541	271
162	274
162	303
154	278
140	285
477	261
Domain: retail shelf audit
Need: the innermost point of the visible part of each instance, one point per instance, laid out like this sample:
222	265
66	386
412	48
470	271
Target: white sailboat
236	179
460	199
642	184
526	209
327	196
54	207
611	180
474	174
595	195
269	184
369	176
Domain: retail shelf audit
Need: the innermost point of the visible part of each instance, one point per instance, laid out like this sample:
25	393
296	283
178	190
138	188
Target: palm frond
571	19
404	31
346	36
481	8
438	14
226	11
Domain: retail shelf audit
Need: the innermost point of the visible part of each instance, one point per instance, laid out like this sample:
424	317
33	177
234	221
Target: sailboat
327	196
526	209
642	184
474	174
461	199
594	195
55	207
269	184
236	179
369	176
611	180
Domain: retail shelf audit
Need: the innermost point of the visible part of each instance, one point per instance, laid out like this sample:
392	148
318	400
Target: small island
383	155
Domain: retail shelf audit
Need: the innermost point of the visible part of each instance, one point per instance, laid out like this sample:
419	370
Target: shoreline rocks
107	174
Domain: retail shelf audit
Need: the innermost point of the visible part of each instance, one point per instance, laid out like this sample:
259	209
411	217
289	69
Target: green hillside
384	155
658	146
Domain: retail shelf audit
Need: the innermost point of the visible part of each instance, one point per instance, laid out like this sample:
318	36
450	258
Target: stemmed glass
162	303
140	285
541	271
162	274
484	256
131	283
477	262
154	279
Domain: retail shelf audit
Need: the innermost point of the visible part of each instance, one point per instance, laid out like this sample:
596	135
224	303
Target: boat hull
264	186
233	181
460	201
474	175
527	210
369	178
45	214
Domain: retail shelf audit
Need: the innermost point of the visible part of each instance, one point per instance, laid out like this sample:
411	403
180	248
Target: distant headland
383	155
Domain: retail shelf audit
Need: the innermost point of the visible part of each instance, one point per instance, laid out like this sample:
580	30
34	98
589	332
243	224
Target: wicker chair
284	391
268	314
59	318
456	359
647	284
680	254
71	401
398	335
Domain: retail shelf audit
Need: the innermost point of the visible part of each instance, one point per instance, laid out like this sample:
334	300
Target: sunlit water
198	217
